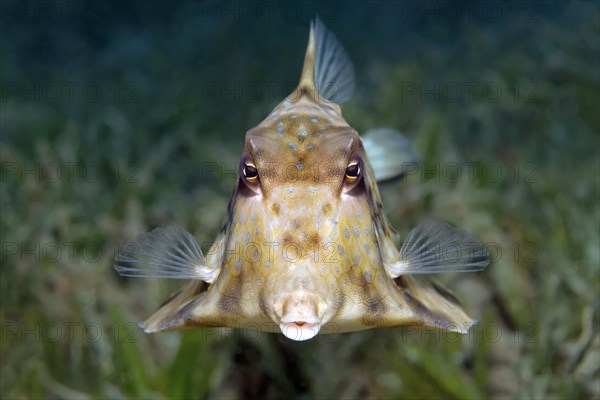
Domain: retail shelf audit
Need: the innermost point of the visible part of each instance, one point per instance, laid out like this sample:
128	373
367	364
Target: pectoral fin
164	253
171	253
434	247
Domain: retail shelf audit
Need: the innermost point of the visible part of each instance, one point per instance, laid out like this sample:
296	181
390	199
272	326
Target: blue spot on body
390	253
290	190
293	146
310	146
312	189
314	120
280	123
356	231
294	116
279	130
356	260
321	136
367	248
340	250
303	133
368	276
322	128
346	233
299	166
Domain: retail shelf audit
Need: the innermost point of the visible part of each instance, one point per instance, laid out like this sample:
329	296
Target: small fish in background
305	247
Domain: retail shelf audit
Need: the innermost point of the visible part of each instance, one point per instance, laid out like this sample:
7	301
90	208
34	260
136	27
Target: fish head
302	195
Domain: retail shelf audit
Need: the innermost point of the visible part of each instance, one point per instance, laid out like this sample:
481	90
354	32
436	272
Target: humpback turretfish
305	247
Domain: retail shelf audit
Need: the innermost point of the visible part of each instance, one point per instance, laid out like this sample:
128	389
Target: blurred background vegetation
117	117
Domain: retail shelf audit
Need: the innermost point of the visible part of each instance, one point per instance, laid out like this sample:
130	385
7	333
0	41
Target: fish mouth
300	330
300	314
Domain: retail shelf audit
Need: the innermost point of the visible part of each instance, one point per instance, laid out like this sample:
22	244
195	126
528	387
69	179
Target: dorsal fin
307	78
327	69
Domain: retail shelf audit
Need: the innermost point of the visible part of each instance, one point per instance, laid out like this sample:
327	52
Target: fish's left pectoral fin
171	253
391	154
435	247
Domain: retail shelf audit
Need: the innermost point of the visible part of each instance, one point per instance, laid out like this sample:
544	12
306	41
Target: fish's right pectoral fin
390	153
164	253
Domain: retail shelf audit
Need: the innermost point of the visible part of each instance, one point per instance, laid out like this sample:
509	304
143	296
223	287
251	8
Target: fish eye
353	175
353	171
249	175
250	172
